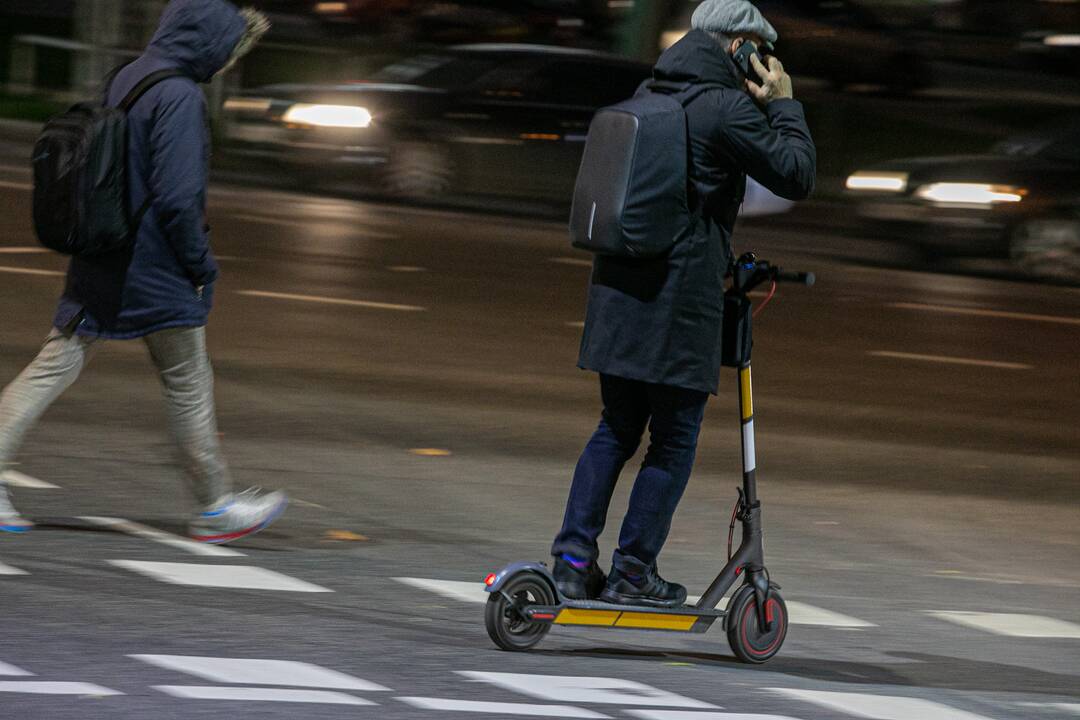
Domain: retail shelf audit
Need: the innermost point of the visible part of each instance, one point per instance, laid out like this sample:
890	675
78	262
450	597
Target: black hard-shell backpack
632	197
80	200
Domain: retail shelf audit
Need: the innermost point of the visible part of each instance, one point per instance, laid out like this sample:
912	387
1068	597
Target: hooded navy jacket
153	286
659	320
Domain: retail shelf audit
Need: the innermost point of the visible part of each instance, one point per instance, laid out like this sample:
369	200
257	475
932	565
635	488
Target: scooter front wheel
506	624
748	641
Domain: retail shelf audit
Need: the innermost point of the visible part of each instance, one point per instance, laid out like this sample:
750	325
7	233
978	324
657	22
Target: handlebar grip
802	278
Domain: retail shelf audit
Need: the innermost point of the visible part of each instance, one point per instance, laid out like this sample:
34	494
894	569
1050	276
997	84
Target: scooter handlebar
802	278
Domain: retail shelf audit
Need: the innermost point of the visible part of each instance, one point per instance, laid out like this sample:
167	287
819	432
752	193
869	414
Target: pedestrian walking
159	287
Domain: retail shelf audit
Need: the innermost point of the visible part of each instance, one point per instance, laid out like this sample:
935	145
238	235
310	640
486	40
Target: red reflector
543	616
768	612
738	571
490	580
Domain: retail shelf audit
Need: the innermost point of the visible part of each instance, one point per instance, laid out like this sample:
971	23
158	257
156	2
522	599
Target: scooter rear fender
502	576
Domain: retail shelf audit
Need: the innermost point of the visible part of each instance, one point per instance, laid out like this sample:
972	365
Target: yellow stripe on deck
746	395
575	616
656	621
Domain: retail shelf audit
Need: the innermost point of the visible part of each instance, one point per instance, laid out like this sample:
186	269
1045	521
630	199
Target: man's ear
735	44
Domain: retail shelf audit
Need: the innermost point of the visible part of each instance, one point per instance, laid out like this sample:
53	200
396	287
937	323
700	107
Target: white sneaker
238	516
10	519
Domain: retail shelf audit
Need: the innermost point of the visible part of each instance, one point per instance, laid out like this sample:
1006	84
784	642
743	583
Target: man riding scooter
653	327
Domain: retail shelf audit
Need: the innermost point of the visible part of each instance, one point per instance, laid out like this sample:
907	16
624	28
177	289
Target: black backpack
80	177
633	192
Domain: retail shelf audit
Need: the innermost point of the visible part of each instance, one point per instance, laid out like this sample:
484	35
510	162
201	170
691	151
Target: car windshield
435	71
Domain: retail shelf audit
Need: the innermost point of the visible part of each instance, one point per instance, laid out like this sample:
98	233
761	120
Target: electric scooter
524	602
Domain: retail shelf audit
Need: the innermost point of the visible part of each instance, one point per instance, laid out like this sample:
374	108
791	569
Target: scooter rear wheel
749	643
506	625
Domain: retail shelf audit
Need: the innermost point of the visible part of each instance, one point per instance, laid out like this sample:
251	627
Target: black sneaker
649	589
575	584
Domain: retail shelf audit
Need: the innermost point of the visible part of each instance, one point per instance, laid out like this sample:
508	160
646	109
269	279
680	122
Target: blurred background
395	335
488	102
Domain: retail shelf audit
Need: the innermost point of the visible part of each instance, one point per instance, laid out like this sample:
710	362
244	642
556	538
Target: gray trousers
187	381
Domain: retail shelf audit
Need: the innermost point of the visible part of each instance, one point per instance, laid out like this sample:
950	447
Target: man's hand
775	84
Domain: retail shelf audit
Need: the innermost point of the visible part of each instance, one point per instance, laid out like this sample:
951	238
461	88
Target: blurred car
507	120
1020	200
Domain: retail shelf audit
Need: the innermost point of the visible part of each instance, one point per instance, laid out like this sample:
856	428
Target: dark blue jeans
674	418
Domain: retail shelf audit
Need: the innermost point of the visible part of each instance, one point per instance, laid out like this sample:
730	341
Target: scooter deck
685	618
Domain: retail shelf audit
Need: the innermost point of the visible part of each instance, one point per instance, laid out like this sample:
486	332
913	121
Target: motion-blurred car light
1062	40
970	193
879	181
247	105
336	116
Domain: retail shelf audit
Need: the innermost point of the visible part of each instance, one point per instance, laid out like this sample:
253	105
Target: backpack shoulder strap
145	84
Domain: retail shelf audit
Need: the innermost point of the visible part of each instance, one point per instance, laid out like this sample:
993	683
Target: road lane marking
878	707
576	324
577	262
12	671
949	360
247	671
27	250
240	577
575	689
1073	708
1012	624
802	614
9	570
501	708
470	592
31	271
159	536
38	687
693	715
799	613
308	224
406	268
953	310
331	301
322	697
18	479
16	185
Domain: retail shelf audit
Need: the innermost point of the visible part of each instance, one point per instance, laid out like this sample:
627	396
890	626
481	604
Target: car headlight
334	116
970	193
878	181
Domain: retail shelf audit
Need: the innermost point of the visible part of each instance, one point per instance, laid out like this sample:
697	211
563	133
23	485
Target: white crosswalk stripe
142	531
502	708
12	671
799	613
241	671
1012	624
200	692
238	577
37	687
18	479
879	707
9	570
694	715
575	689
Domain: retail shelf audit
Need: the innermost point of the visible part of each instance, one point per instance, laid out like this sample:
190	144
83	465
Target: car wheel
1048	249
418	171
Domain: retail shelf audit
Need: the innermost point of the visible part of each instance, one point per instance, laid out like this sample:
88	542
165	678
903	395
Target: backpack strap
125	105
145	84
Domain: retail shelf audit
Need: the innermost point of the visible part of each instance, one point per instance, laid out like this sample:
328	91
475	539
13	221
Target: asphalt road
408	376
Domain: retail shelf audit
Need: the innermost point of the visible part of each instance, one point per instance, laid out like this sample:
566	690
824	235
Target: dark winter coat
659	320
153	286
